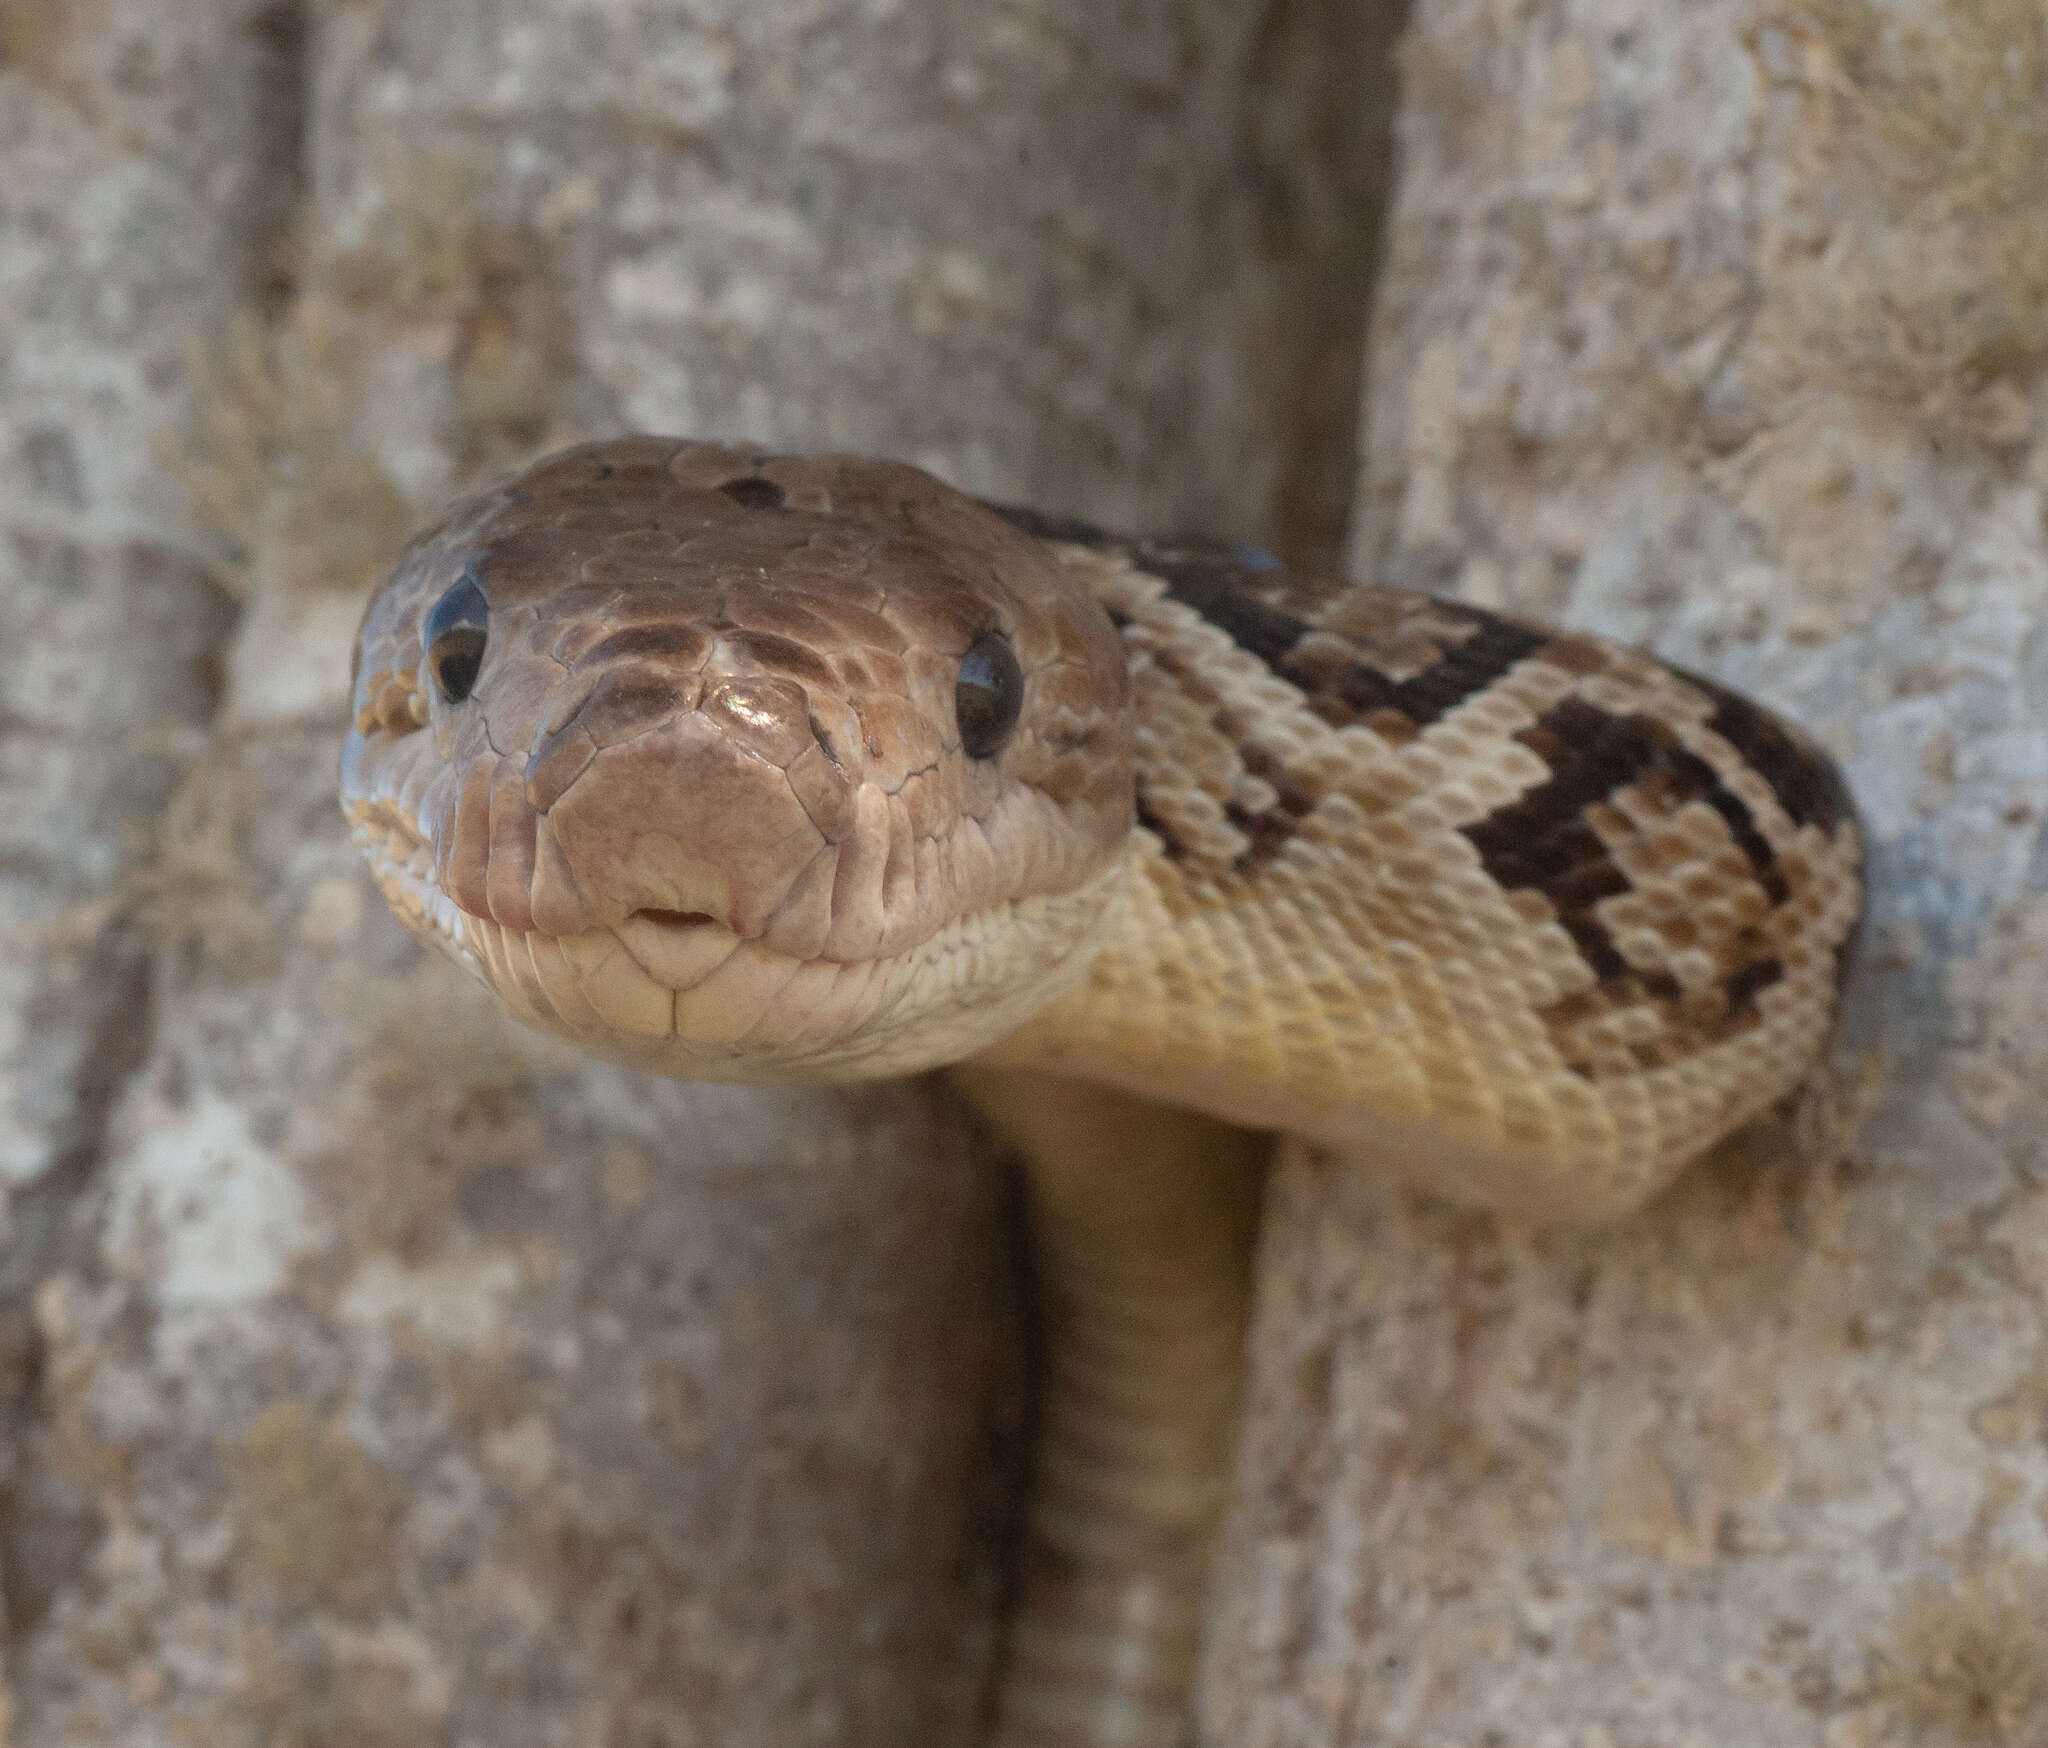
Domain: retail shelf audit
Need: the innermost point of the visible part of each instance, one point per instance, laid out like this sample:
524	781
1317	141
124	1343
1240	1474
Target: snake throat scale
741	766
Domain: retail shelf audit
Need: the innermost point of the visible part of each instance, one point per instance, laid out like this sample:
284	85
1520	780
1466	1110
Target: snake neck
1142	1220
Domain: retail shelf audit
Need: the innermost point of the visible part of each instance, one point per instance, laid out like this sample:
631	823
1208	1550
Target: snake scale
742	766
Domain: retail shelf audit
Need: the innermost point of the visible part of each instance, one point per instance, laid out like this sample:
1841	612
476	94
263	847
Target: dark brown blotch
1805	780
1175	847
1270	830
1685	777
1541	841
1220	591
755	493
1462	671
1337	678
1748	981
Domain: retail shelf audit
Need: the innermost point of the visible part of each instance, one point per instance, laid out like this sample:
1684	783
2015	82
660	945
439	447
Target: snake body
744	766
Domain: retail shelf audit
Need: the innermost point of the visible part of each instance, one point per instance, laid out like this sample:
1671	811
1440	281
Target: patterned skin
740	766
1531	916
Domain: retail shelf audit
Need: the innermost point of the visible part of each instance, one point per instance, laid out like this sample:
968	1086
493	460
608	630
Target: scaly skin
1143	1218
747	767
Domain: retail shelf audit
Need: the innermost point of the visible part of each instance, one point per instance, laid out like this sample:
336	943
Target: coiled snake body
741	766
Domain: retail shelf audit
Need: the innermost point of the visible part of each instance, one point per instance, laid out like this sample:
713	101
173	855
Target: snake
737	765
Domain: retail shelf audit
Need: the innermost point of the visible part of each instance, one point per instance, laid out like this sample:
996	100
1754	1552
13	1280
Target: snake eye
988	696
454	634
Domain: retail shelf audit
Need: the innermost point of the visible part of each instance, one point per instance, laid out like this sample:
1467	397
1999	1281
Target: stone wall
378	1377
1719	327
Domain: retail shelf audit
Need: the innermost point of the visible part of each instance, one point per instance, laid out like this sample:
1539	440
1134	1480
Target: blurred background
373	1377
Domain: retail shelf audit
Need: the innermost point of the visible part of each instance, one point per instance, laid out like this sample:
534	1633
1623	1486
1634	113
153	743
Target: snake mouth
676	948
681	949
678	989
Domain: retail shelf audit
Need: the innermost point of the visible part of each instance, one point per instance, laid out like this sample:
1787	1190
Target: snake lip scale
745	766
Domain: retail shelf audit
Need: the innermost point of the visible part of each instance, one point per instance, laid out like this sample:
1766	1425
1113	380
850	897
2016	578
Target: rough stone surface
129	215
1717	327
426	1391
133	191
390	1380
1089	260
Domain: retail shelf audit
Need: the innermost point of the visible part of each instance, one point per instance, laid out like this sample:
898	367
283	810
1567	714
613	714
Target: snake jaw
680	993
676	984
401	860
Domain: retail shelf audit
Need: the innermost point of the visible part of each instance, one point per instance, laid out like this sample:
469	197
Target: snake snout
673	799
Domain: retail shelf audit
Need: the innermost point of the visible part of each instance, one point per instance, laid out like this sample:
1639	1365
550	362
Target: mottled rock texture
377	1378
135	203
1720	327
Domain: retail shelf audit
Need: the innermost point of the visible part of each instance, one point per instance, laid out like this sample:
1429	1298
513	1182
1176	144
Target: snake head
741	766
